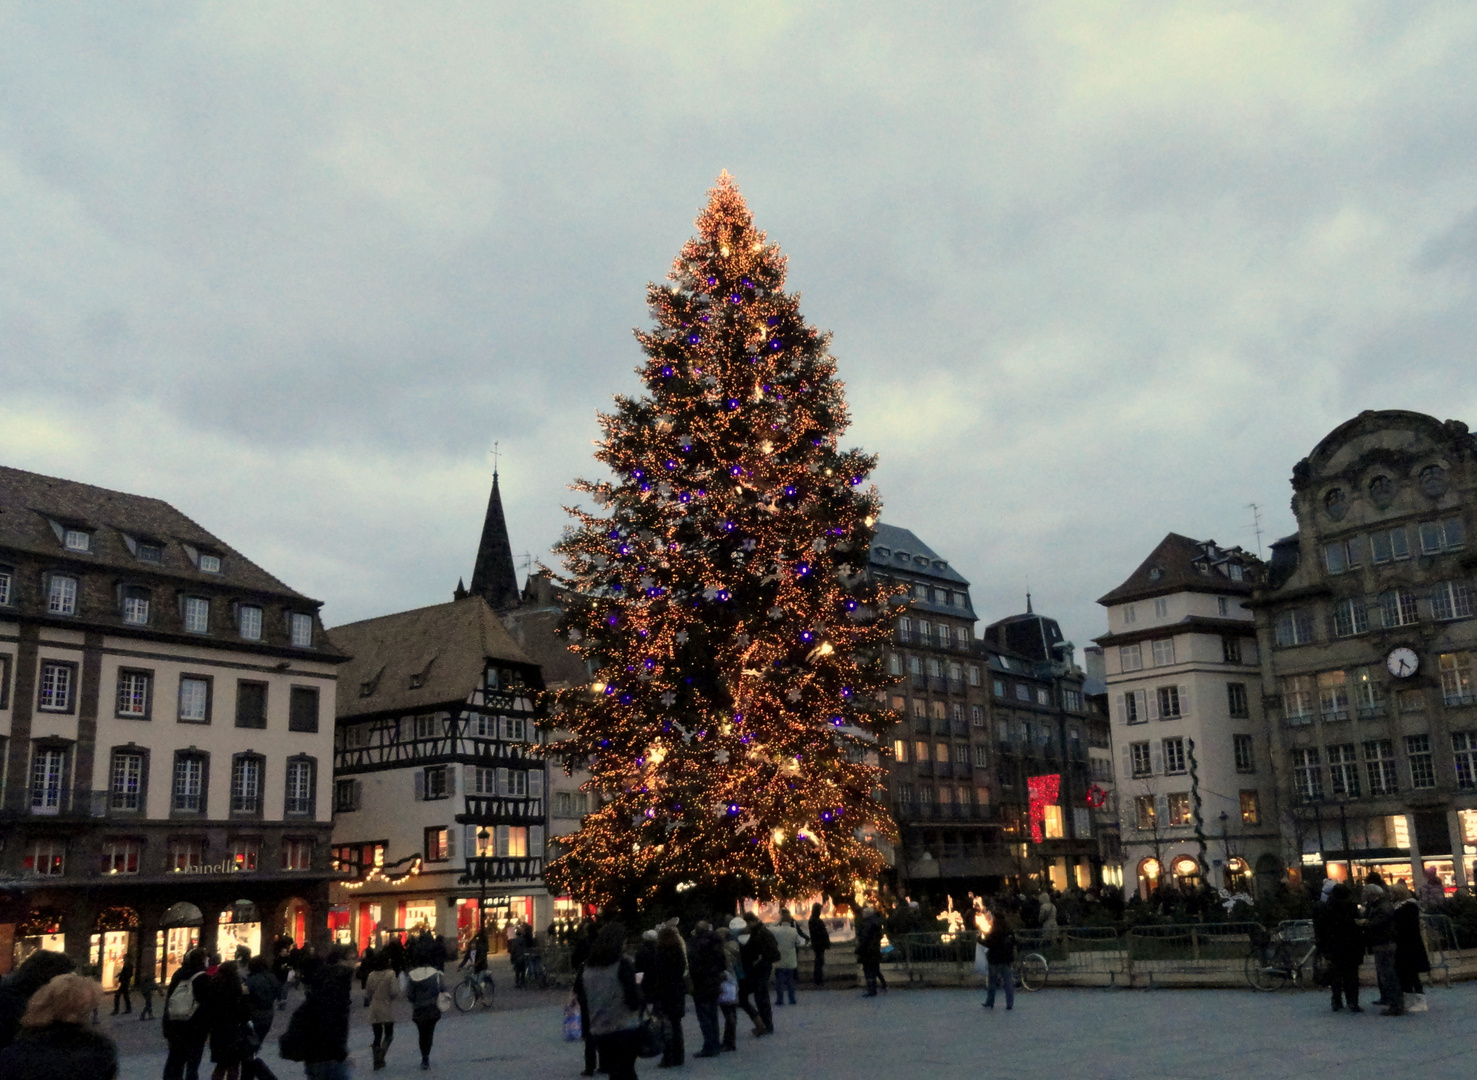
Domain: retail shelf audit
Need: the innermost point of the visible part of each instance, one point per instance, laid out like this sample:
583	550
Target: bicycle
476	989
1285	958
1031	972
534	974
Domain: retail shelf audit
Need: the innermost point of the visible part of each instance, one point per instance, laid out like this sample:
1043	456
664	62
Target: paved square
1062	1034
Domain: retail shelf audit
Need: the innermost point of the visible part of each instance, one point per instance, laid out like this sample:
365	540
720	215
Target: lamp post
1226	846
482	837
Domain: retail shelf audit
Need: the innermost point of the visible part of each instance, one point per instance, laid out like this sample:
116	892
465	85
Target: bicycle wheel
1033	972
1264	976
465	996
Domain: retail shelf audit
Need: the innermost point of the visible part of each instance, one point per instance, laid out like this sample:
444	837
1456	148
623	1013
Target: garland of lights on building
735	639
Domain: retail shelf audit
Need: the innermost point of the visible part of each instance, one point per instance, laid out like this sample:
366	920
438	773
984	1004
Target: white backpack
182	1003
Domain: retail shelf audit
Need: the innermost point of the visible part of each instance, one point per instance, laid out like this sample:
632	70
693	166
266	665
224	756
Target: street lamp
482	837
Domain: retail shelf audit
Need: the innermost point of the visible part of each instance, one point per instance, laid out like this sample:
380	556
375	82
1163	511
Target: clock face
1402	662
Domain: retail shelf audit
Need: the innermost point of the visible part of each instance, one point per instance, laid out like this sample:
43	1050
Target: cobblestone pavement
1064	1033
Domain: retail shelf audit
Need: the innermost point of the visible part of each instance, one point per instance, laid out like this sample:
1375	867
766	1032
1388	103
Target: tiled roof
899	549
422	658
33	506
1180	564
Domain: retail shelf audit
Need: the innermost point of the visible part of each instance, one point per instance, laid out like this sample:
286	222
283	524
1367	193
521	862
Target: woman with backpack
424	993
186	1024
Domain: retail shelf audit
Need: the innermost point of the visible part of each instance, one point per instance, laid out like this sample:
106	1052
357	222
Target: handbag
728	990
573	1030
655	1032
981	959
443	1001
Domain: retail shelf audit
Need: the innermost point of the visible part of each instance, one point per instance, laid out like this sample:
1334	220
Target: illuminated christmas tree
735	641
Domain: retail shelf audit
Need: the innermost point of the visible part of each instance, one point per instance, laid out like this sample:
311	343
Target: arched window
1148	877
1186	872
1238	876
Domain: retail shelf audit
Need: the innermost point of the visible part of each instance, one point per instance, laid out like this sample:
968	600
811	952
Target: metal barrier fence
1441	942
1168	952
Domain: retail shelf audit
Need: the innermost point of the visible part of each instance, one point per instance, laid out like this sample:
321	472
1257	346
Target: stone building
166	735
1196	792
1368	638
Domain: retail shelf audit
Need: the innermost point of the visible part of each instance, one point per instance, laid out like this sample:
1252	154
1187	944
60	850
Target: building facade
1368	637
1197	797
166	727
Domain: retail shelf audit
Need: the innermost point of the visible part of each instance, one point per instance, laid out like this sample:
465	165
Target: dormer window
61	595
210	564
301	628
248	620
150	553
77	540
135	605
197	615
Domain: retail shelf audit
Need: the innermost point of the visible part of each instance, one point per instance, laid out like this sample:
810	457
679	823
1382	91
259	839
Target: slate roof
493	576
419	659
30	503
897	543
1177	560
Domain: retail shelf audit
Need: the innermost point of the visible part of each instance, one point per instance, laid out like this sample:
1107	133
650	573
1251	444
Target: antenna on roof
1256	526
1028	603
494	454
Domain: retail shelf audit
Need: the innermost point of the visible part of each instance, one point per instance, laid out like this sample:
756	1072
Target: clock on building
1402	662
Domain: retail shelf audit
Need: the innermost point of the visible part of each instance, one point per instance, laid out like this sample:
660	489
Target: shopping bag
981	960
728	990
573	1029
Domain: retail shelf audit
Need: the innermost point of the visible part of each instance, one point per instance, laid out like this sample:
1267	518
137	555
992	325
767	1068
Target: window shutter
451	843
420	785
1157	753
358	794
1161	812
535	784
469	839
469	780
451	773
1122	710
1125	755
536	841
1185	699
1153	703
502	781
502	841
1141	699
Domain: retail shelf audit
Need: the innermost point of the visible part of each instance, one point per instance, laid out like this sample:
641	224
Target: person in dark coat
1379	932
1411	961
1000	956
329	998
186	1027
262	991
820	941
706	964
869	949
123	993
16	989
608	984
579	953
758	955
665	987
227	1011
1341	942
56	1040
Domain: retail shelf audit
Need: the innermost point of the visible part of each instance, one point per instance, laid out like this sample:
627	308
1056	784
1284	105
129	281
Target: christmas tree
734	638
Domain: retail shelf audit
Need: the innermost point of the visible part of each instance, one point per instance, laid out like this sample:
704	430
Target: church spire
493	577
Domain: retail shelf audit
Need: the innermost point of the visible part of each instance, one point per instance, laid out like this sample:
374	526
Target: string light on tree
734	640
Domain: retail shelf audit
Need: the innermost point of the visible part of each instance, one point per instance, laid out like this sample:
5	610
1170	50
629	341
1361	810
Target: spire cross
494	454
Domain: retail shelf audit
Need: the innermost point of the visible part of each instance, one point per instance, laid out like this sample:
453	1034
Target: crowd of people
1388	928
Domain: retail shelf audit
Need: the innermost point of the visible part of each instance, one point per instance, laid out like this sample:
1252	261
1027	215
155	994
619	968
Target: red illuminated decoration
732	725
1096	797
1044	791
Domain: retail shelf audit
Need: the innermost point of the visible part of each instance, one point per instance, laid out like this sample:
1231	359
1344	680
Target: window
1456	678
438	844
1250	812
4	681
920	751
1178	805
297	854
1336	556
134	693
999	687
518	783
1131	657
48	775
300	781
77	540
197	615
981	757
941	751
1169	702
1145	816
57	679
1451	600
345	796
150	553
1161	608
1297	698
1022	692
1042	697
126	782
61	596
1398	607
1464	750
1379	766
894	664
977	716
1350	617
1164	652
251	704
1439	536
246	785
1174	755
194	699
135	605
189	784
1134	709
244	853
1222	606
1343	769
1369	695
301	628
186	853
1143	764
1237	703
249	622
437	783
974	675
1418	751
936	709
1333	695
7	578
1306	774
900	750
1130	616
1245	758
120	856
210	564
1295	627
961	753
1231	649
46	857
302	710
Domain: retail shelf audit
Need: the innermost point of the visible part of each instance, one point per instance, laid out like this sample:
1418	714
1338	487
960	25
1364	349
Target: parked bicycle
1287	957
535	975
1031	971
476	989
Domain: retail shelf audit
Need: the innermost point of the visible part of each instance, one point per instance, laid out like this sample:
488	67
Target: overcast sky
1095	272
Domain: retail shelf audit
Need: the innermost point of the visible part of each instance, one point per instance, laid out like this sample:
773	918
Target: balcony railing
925	768
938	684
956	686
1456	697
503	868
503	809
943	768
920	682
